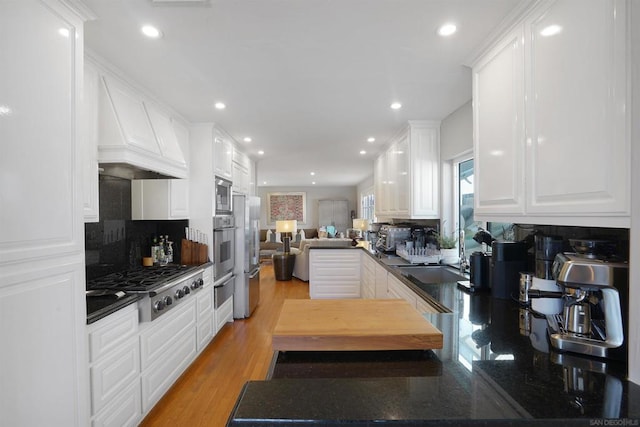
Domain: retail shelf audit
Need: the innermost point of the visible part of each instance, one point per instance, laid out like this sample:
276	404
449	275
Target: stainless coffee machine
595	291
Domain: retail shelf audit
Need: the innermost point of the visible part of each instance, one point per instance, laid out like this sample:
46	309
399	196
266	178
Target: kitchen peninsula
495	368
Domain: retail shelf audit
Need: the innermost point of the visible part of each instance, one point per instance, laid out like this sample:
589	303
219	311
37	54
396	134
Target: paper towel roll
546	305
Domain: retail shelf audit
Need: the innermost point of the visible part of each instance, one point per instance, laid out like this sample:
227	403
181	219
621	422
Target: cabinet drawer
205	303
124	411
108	333
113	373
161	336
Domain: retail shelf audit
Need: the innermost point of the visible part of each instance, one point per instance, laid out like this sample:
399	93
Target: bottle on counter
154	250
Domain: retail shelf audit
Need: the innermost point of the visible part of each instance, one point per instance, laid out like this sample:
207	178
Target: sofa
273	243
301	267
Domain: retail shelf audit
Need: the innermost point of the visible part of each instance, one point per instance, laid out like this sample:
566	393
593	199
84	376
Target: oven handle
254	273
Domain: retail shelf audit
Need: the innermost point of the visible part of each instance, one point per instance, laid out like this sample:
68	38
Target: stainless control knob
194	285
179	293
201	282
167	300
186	290
158	305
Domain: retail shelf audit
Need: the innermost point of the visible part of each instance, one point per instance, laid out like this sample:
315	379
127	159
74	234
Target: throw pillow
301	234
271	237
278	238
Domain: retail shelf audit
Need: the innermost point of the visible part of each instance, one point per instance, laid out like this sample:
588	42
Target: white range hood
136	140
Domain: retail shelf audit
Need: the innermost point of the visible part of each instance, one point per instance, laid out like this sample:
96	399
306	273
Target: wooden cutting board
353	324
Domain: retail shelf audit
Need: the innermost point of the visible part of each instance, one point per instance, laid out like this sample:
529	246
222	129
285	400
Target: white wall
456	133
456	139
313	194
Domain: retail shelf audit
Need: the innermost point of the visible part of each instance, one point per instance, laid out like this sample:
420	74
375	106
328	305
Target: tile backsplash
117	243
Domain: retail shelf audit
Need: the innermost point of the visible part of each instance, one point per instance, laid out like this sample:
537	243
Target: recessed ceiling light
363	152
312	173
264	182
151	32
247	139
396	106
371	139
550	30
220	105
261	152
64	32
447	29
313	183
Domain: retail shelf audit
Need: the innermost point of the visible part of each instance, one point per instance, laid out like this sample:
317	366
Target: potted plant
448	252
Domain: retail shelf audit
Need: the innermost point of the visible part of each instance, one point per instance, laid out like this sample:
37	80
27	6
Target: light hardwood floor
241	351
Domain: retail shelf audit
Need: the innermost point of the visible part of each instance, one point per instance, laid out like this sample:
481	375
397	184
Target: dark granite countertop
496	368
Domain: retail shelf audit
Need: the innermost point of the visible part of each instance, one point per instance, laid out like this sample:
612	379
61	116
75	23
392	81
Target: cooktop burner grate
141	279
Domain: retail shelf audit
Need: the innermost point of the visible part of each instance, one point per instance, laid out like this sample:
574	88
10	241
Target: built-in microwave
224	197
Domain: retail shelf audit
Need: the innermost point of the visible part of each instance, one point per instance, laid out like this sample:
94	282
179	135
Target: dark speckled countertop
496	368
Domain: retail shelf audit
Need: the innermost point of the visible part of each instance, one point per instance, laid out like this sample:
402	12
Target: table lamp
286	228
361	224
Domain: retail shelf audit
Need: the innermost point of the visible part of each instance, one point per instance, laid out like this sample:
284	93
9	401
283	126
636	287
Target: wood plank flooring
241	351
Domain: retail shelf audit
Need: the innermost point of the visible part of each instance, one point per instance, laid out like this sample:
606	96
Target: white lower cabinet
368	277
114	369
334	273
167	348
123	410
381	282
397	289
205	306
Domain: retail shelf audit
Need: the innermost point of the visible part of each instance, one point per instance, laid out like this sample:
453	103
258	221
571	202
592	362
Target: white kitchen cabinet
397	289
368	275
222	155
498	127
407	175
89	143
44	368
205	311
334	273
241	172
114	367
424	307
167	347
381	282
159	199
165	134
550	120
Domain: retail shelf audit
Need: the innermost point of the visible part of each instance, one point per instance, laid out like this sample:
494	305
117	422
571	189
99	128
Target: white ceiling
308	80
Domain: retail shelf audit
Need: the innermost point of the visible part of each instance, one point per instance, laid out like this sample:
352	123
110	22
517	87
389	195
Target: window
464	191
367	205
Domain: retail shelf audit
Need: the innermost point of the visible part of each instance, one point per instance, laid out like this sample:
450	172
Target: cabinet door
424	155
577	143
498	121
159	199
381	282
89	143
334	273
222	156
379	183
402	173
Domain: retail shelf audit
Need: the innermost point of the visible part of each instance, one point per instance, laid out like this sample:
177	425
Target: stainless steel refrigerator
246	210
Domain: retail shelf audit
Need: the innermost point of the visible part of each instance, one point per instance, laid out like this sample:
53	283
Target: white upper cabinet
222	155
406	175
166	135
88	124
498	127
551	112
159	199
241	172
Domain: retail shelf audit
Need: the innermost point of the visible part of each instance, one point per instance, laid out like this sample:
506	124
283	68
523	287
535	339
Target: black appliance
508	259
480	274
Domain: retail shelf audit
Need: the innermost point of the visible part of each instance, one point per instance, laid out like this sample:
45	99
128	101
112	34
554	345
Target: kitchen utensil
547	306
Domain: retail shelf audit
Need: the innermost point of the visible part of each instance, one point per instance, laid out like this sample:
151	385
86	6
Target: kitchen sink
430	274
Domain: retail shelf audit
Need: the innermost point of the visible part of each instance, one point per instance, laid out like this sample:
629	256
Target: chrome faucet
464	265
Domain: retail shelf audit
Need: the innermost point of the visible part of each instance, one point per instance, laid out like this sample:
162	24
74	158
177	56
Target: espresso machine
595	292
